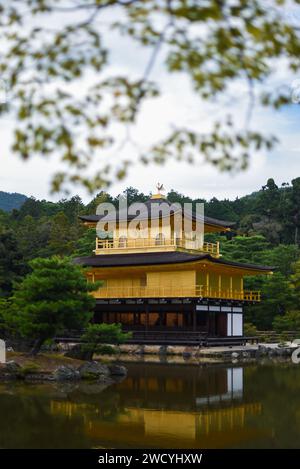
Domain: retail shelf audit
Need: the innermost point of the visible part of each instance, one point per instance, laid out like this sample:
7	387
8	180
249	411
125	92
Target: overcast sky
176	105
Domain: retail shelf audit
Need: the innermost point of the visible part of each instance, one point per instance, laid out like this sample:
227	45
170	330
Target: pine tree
52	298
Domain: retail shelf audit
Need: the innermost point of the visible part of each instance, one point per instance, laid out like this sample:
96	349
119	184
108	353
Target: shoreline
53	367
107	370
202	355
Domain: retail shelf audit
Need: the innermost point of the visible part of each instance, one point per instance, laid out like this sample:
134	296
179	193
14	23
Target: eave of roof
206	220
160	258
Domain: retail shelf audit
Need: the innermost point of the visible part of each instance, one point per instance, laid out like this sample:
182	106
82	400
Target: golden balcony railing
197	291
105	246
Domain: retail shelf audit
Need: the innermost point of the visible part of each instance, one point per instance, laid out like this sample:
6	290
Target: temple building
162	281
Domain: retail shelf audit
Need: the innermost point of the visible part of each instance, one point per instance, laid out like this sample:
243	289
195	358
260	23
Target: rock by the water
140	350
117	370
257	354
12	367
66	373
282	352
235	355
93	370
263	350
163	350
38	377
107	380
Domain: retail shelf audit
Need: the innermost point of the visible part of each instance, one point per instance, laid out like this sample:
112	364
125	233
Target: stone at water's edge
12	367
66	373
2	351
117	370
93	369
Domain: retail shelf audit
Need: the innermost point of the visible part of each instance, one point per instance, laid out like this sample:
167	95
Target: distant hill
10	201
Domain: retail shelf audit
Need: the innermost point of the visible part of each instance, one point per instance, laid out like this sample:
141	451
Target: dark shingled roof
122	215
159	258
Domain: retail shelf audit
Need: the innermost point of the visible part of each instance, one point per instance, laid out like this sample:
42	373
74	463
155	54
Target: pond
159	406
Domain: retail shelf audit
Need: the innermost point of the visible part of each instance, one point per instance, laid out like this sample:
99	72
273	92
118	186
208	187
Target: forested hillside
10	201
267	232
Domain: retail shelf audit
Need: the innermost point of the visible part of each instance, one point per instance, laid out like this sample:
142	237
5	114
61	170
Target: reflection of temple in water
174	406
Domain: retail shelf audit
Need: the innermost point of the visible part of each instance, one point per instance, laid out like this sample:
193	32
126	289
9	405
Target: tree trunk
37	346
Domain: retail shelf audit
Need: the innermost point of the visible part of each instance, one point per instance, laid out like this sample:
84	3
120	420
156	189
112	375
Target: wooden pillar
207	283
161	318
220	284
182	317
147	316
194	318
207	321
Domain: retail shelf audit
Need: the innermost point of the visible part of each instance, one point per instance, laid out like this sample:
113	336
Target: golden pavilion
164	283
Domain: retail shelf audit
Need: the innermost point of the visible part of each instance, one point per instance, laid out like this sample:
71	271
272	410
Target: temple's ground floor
174	320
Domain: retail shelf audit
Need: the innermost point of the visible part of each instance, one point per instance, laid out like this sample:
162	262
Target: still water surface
159	406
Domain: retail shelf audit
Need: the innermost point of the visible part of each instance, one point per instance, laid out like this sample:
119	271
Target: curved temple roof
160	258
149	210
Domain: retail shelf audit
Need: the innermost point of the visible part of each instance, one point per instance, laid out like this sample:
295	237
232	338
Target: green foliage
289	322
62	237
250	330
277	296
295	284
282	257
244	248
107	350
33	237
276	299
86	243
98	337
52	298
214	44
12	266
4	306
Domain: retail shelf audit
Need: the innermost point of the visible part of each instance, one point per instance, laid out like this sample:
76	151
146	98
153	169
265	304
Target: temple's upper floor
155	226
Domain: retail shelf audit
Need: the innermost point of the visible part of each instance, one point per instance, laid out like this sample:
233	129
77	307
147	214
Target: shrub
289	322
99	337
250	329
